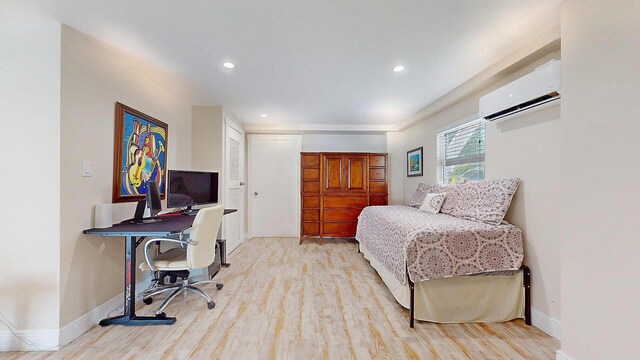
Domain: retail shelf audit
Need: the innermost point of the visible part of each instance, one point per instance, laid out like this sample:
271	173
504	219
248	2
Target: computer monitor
154	202
189	188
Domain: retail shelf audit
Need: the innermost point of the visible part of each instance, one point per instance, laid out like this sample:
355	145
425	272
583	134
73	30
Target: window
461	153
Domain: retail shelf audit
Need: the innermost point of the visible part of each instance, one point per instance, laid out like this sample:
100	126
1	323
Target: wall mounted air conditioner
532	92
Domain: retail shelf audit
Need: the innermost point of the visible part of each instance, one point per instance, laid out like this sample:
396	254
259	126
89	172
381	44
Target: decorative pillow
432	203
486	201
418	197
450	201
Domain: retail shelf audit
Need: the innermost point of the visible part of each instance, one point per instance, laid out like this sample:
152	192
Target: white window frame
440	135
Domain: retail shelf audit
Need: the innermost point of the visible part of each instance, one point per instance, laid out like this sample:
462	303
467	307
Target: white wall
30	178
397	165
207	142
600	193
527	147
94	77
344	142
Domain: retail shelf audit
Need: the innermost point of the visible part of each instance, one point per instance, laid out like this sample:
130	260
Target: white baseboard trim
29	340
561	355
52	340
549	325
79	326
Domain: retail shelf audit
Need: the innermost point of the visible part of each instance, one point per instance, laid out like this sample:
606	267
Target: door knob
255	193
241	183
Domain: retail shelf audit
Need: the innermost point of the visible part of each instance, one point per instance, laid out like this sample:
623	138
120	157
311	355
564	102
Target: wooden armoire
335	187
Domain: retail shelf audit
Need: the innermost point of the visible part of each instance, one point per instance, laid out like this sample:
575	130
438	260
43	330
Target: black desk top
168	225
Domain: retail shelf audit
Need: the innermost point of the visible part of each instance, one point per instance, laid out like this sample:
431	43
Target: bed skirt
492	297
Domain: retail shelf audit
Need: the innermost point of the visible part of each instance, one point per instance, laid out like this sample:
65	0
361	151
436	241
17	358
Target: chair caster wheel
147	301
211	305
219	286
161	315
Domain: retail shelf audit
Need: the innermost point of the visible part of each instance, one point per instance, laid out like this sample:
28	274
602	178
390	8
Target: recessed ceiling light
263	115
398	68
360	117
229	65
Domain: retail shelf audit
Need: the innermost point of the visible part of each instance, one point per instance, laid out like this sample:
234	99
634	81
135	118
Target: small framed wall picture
414	162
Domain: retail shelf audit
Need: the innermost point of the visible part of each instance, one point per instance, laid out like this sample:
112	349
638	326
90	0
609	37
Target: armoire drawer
310	214
311	186
310	202
377	200
377	186
311	160
377	160
340	229
345	201
311	174
377	174
341	214
310	228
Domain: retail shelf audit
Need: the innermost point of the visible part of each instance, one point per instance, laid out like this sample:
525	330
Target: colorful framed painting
139	155
414	162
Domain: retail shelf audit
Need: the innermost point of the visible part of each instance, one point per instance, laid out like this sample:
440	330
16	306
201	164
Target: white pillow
432	203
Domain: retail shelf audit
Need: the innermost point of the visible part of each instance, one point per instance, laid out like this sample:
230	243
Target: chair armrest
147	256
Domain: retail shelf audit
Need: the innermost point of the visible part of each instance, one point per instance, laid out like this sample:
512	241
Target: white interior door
274	185
234	185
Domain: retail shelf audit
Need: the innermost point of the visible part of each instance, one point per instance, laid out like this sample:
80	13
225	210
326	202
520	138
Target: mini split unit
534	91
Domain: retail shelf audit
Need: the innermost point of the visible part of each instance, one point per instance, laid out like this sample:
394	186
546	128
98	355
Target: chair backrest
205	232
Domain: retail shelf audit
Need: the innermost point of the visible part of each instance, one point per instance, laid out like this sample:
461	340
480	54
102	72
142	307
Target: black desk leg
129	317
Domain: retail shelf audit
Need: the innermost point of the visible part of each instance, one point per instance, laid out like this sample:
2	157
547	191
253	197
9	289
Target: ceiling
317	63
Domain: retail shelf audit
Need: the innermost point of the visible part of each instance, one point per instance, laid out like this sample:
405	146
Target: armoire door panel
333	173
356	173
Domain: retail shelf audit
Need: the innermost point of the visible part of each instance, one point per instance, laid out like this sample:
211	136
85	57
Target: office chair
199	253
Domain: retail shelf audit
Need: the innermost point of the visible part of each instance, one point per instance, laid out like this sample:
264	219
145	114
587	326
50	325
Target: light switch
86	168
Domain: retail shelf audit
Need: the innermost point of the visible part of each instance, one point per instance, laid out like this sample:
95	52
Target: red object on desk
177	213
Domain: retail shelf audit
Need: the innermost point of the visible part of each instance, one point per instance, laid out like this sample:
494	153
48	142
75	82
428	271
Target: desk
135	234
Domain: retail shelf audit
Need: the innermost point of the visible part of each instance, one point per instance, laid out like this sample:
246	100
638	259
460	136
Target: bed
451	268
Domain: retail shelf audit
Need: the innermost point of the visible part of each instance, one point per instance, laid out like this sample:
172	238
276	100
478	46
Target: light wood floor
282	300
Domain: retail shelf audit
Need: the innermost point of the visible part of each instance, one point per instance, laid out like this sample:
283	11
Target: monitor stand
189	211
152	220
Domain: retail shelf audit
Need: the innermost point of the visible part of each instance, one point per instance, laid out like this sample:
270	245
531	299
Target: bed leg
411	302
526	273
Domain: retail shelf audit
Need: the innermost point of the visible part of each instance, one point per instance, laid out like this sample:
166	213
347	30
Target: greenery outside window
461	153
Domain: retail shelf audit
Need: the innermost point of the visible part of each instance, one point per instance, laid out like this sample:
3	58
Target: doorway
234	185
274	185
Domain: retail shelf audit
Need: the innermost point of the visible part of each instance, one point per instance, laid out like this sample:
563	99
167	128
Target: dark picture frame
415	162
139	154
